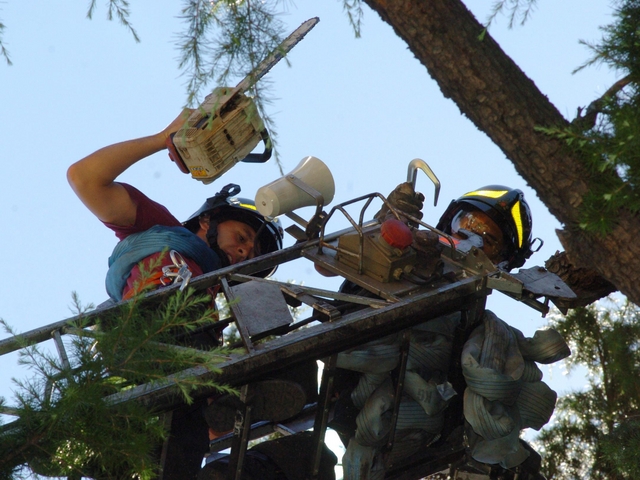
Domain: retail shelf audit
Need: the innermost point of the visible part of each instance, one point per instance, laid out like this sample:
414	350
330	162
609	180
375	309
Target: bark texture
586	283
503	102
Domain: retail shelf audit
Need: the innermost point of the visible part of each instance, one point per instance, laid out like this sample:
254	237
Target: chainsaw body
223	131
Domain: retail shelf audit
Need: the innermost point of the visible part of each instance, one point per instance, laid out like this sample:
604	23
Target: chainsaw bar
275	56
226	127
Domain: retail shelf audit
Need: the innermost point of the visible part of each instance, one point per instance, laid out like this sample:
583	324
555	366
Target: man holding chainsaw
237	232
224	231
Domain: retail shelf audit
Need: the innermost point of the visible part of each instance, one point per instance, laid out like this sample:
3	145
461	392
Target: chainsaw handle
264	156
174	155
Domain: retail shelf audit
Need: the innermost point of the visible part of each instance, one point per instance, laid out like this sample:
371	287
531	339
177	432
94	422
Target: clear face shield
481	224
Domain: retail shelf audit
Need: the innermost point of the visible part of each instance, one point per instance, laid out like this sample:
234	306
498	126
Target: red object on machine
396	233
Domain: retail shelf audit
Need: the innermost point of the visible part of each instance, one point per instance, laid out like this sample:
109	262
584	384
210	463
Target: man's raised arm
93	177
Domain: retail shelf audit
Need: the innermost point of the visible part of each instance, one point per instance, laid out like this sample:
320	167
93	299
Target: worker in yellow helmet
498	214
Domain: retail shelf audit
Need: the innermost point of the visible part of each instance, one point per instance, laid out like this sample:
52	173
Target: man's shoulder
149	213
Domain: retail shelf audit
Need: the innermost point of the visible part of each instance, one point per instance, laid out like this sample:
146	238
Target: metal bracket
312	226
241	430
322	413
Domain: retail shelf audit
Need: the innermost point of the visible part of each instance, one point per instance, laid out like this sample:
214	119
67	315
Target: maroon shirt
148	214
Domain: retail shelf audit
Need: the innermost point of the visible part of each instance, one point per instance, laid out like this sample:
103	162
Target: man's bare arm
93	177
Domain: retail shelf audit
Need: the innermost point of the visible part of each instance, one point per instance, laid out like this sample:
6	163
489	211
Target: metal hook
412	175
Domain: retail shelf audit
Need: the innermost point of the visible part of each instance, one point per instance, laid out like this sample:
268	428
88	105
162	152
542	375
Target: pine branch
353	9
119	9
588	120
513	9
66	428
3	50
604	338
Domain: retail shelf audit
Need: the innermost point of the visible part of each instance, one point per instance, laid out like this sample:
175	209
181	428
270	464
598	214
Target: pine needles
66	428
595	432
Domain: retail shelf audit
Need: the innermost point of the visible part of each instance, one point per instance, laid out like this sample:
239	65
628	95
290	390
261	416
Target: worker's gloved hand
404	199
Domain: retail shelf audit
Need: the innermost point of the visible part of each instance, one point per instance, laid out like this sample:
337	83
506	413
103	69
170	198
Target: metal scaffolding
338	322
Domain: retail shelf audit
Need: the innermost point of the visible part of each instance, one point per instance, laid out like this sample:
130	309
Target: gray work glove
404	199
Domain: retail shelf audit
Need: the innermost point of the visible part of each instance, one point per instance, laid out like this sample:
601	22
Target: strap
139	246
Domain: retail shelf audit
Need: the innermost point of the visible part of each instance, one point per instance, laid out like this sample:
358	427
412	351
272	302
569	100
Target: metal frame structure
467	279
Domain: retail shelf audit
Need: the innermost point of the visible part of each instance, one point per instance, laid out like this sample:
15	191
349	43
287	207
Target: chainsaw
226	127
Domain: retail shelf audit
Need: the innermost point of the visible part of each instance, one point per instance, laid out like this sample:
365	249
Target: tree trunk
503	102
586	283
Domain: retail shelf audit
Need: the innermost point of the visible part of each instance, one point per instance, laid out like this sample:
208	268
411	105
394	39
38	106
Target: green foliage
226	39
65	427
353	9
517	11
3	50
118	9
620	45
622	447
610	152
595	432
606	137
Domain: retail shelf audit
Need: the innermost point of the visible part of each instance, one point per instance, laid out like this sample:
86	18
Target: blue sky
366	107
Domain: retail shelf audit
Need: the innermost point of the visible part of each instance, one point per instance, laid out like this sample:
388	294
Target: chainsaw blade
275	56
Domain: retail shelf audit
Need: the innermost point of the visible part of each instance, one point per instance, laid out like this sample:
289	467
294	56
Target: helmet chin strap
212	240
258	245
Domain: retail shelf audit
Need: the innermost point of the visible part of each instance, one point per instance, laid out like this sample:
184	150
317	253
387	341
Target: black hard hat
224	205
508	209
